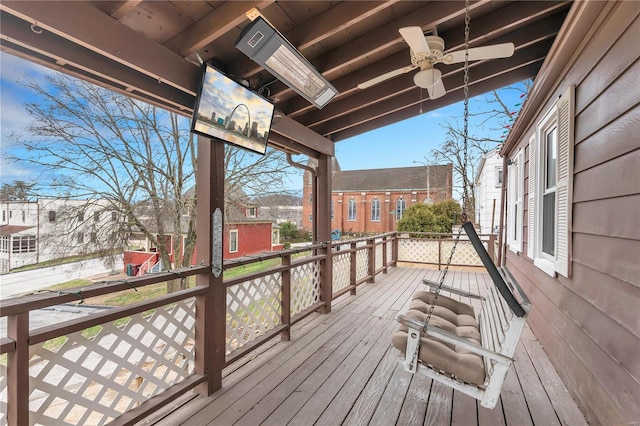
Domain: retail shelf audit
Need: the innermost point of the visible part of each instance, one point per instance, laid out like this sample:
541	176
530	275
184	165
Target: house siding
589	323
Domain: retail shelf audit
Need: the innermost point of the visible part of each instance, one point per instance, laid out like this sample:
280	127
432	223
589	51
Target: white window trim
231	232
515	178
560	115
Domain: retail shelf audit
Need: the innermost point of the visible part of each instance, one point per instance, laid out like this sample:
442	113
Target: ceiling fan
426	51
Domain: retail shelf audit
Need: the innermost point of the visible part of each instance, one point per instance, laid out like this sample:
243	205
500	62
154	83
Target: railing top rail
246	260
357	240
38	300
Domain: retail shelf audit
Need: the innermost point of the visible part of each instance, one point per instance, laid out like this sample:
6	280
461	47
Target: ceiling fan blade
386	76
437	90
503	50
415	39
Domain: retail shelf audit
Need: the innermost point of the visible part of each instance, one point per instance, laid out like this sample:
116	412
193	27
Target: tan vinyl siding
589	324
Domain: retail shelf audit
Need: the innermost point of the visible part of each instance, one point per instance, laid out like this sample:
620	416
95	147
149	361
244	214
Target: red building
372	201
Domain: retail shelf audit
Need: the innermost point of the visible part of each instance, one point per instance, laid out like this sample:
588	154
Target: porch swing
441	335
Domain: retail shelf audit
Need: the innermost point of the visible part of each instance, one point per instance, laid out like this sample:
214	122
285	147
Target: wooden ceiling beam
411	109
212	26
291	129
452	79
65	56
117	9
347	85
336	19
90	28
485	28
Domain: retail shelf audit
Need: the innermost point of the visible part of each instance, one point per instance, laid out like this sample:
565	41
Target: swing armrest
433	284
453	339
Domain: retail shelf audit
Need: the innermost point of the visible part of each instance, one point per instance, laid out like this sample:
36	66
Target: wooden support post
353	267
491	247
285	315
210	307
372	260
384	255
395	249
322	217
18	370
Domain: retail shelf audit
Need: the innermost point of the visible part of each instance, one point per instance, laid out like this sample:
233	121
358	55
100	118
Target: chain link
463	216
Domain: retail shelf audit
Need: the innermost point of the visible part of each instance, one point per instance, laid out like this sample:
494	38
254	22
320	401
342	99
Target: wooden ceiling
148	49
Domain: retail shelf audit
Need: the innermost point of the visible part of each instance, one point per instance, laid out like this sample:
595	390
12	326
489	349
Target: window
24	216
94	237
550	187
23	244
310	218
4	215
499	180
233	241
96	216
352	210
114	216
331	209
4	244
252	212
80	216
400	207
514	202
80	237
310	198
52	215
275	237
375	210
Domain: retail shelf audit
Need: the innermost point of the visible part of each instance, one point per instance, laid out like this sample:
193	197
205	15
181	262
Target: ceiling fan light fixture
427	78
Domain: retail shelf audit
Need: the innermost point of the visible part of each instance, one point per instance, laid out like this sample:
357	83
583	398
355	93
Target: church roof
392	179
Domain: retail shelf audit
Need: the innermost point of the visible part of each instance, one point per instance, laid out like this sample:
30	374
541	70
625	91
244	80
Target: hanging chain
463	216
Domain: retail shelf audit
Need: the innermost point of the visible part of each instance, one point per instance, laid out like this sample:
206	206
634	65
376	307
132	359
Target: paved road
55	314
36	279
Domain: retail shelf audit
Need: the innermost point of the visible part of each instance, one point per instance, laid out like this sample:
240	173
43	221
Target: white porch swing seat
468	354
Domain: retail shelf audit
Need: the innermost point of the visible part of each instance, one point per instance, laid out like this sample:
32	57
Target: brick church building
372	201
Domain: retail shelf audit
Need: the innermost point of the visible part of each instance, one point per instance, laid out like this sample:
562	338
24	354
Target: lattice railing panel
253	308
465	254
305	286
418	250
99	373
362	264
3	394
341	271
389	251
379	250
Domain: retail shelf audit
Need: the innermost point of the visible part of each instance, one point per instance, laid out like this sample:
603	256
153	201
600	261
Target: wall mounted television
227	111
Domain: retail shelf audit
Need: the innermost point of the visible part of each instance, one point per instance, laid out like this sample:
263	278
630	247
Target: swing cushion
455	317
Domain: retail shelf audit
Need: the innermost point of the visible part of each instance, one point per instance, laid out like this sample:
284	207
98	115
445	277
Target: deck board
341	369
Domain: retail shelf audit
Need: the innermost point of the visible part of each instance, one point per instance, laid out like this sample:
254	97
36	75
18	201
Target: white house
49	228
488	192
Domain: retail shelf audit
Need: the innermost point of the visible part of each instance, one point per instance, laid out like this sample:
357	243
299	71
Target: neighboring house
488	192
372	201
281	208
573	208
245	234
50	228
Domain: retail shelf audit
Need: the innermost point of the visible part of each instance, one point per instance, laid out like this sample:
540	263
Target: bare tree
17	191
91	143
496	114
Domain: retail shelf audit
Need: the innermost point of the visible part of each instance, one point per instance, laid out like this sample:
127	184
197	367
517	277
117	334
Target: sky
403	144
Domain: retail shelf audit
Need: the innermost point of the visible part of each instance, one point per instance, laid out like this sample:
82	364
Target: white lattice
362	264
305	286
465	254
99	373
341	270
3	394
418	250
389	251
253	308
379	250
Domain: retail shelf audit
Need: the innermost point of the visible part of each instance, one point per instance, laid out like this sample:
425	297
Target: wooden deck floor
340	369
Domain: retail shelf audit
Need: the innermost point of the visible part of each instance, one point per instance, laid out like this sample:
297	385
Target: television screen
230	112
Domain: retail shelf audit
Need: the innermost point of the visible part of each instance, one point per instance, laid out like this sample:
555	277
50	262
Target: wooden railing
123	363
435	249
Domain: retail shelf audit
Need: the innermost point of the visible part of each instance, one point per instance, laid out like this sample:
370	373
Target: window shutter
520	191
565	107
533	152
